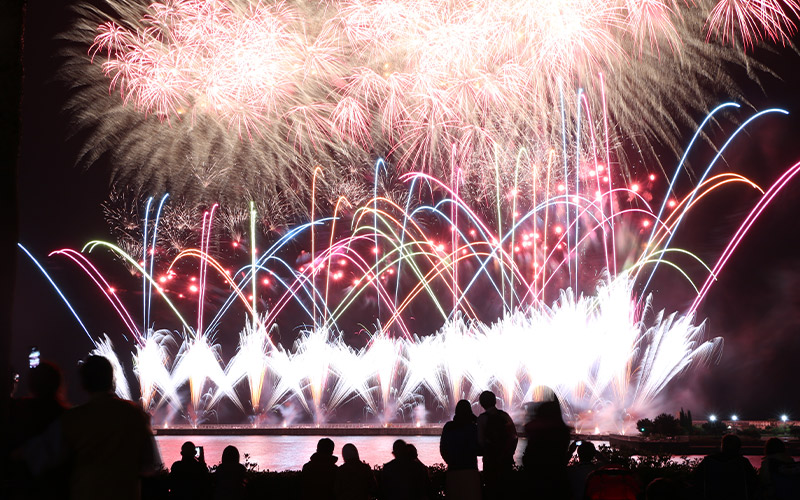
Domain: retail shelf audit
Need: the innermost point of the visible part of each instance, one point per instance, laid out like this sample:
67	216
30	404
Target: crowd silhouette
105	449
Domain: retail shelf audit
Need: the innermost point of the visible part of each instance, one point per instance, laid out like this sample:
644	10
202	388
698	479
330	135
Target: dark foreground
288	484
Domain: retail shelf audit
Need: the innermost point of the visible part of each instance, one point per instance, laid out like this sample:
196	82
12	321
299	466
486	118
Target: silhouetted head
487	400
96	374
731	443
400	449
350	453
412	452
586	452
45	381
188	450
663	488
325	446
230	455
773	446
464	412
550	411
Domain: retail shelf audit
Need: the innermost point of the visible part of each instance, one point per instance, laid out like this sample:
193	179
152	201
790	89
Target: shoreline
693	445
302	430
679	445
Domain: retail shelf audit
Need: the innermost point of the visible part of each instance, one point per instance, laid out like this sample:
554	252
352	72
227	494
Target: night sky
755	306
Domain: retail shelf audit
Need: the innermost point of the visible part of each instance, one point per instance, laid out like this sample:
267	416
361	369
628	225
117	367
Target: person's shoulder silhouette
29	420
230	478
32	415
726	474
188	477
354	478
108	440
319	473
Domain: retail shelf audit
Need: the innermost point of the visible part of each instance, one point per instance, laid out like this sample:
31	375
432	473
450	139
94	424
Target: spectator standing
726	475
29	418
497	442
188	477
230	478
779	474
459	449
107	441
319	473
354	478
546	455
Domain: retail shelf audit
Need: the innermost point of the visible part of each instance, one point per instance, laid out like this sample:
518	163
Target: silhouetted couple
491	435
405	477
106	442
321	479
189	477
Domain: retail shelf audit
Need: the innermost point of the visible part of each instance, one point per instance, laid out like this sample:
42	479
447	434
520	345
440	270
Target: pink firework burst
755	19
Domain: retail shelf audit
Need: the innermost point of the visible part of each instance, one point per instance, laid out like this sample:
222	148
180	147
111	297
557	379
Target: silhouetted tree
751	432
685	420
716	428
645	426
666	425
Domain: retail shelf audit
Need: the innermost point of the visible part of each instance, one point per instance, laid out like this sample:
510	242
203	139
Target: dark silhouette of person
579	472
230	478
30	417
726	475
354	478
546	455
497	442
400	478
188	477
319	473
459	449
107	441
420	470
779	474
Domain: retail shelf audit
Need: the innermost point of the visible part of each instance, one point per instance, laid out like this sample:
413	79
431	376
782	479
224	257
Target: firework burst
562	276
228	99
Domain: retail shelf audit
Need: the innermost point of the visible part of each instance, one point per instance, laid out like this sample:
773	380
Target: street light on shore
784	418
734	418
712	418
